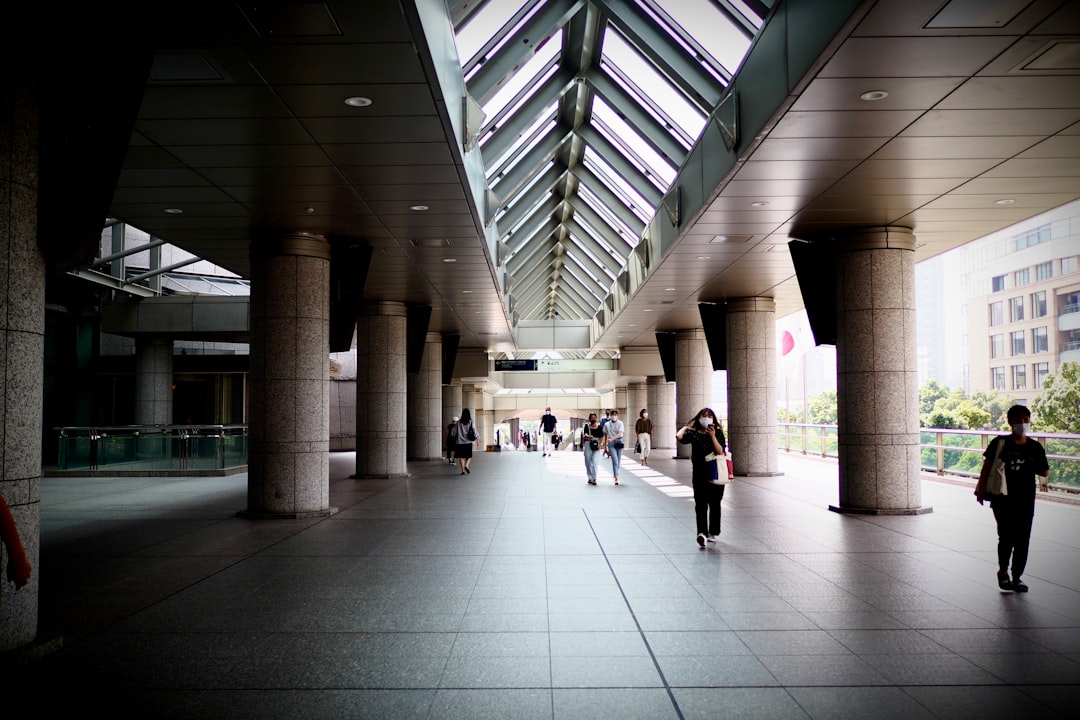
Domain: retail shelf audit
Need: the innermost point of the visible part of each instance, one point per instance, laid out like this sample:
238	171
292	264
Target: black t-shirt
547	422
592	432
1023	461
701	444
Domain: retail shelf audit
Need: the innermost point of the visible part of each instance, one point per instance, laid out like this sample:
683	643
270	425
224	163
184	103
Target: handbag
472	434
617	444
594	444
995	482
718	478
637	447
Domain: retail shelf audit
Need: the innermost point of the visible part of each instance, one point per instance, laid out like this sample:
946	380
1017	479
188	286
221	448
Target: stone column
877	379
693	379
620	404
637	397
381	389
468	400
22	324
153	382
751	383
661	404
289	428
515	428
451	406
484	420
425	425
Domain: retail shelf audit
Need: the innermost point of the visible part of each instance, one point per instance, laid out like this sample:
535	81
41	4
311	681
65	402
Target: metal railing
152	447
950	452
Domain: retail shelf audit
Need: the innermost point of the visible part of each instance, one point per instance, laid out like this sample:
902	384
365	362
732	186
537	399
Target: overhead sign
503	365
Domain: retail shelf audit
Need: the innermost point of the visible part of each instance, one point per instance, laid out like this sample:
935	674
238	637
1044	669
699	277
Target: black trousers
707	497
1014	516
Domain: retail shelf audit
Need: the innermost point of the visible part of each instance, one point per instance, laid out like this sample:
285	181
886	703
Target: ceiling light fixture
449	260
173	211
669	289
418	207
357	101
759	203
874	95
1004	201
702	257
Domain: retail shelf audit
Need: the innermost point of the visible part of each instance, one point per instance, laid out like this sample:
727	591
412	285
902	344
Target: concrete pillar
751	385
289	428
515	428
381	389
153	382
661	404
693	379
620	404
22	353
426	429
877	379
451	395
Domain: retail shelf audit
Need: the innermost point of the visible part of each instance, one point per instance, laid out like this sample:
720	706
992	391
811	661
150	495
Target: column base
401	476
759	474
287	516
881	511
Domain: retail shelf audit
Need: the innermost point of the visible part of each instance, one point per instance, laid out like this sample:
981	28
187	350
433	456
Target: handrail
158	447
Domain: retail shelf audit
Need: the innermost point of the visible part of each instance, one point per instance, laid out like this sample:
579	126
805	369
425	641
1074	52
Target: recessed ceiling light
669	289
418	207
759	203
874	95
309	210
702	257
466	292
1005	201
449	260
647	310
357	101
173	211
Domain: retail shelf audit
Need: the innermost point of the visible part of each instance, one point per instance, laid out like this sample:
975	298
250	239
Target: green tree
1058	408
929	394
972	415
996	404
822	408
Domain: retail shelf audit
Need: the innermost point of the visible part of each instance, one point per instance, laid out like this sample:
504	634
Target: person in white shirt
614	433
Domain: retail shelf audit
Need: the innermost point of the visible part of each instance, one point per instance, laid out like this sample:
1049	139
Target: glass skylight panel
505	162
624	190
532	74
619	133
705	31
605	240
652	90
610	216
484	24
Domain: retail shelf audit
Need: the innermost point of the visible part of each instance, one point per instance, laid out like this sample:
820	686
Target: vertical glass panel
630	197
483	25
715	39
619	133
531	75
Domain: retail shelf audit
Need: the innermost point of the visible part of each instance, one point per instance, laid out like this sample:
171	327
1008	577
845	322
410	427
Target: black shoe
701	539
1003	581
1019	586
468	471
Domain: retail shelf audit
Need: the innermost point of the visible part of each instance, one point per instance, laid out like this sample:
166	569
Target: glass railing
951	452
152	447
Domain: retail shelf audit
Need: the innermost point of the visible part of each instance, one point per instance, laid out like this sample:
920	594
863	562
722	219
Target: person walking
707	453
466	436
1013	498
451	439
614	433
592	437
547	428
643	435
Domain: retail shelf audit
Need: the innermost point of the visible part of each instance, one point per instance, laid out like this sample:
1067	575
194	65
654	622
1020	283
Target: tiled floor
521	592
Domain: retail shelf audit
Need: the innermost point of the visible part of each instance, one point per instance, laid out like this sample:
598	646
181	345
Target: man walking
547	427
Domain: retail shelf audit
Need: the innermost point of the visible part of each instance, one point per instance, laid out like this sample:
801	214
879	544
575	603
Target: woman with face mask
706	439
1014	507
643	431
592	436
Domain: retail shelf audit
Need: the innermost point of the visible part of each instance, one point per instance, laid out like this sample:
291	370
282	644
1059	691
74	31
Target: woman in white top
614	432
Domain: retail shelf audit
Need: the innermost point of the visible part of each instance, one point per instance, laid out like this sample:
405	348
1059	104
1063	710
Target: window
1017	339
997	283
1044	271
1019	377
1038	304
1068	265
1016	309
996	317
1041	371
997	346
1039	340
997	379
1021	277
1034	237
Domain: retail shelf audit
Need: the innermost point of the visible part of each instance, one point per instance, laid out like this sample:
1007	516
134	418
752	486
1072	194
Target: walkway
518	591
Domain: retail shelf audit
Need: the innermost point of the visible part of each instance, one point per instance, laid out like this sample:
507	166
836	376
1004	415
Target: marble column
661	404
426	430
289	428
381	389
620	403
751	384
877	378
153	382
693	379
22	353
515	428
451	406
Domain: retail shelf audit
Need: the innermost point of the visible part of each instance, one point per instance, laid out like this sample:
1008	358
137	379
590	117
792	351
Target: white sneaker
701	539
711	538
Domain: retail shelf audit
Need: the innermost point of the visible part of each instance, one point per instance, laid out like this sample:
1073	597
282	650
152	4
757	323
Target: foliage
1058	408
929	394
823	408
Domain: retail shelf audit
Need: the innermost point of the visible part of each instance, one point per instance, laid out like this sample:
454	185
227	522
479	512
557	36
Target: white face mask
1021	429
705	421
644	415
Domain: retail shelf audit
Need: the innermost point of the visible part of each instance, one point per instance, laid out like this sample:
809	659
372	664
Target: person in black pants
1014	508
707	451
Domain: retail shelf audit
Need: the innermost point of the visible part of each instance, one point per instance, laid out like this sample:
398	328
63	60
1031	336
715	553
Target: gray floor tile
856	703
603	704
753	703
